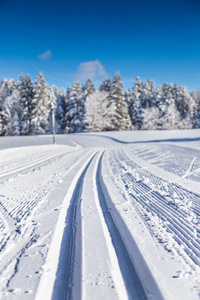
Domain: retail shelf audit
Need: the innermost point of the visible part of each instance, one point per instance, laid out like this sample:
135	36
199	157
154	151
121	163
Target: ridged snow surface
112	215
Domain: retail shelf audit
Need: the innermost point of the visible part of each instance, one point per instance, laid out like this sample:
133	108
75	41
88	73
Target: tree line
26	107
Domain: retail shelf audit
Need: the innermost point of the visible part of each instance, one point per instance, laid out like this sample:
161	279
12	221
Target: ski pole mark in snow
189	171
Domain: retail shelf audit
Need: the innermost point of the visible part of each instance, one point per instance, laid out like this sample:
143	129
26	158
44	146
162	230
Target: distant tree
118	109
150	118
106	85
87	88
40	114
61	109
3	95
135	106
196	97
10	112
27	104
74	117
96	111
186	105
147	93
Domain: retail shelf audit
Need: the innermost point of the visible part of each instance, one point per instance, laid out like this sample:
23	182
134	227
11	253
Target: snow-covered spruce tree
61	109
135	107
117	108
74	117
27	105
106	85
10	112
88	88
3	95
148	93
170	116
40	114
196	97
186	106
127	97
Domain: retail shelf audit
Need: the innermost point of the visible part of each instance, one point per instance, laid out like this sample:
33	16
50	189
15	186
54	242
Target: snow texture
110	215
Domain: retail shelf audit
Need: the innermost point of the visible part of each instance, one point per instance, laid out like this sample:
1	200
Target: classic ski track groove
29	165
70	289
50	268
20	230
154	196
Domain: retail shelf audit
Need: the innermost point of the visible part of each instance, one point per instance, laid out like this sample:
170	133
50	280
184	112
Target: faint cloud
45	55
91	69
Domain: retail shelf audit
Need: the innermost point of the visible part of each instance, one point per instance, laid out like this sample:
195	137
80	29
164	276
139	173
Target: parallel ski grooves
62	248
150	197
28	165
63	286
132	282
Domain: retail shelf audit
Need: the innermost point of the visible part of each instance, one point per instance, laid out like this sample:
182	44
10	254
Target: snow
108	215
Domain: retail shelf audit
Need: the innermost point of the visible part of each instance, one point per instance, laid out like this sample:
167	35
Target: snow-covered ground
112	215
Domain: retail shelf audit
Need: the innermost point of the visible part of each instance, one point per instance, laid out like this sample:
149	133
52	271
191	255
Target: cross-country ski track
100	216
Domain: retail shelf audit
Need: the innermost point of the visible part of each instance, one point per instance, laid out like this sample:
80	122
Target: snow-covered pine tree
106	85
170	116
135	107
10	112
186	106
74	117
61	109
40	115
3	95
118	109
127	97
27	105
148	94
196	97
88	88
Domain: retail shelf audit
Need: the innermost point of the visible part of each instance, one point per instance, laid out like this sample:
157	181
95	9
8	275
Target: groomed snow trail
98	266
101	216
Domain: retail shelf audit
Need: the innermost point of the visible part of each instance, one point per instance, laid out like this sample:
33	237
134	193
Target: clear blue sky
71	40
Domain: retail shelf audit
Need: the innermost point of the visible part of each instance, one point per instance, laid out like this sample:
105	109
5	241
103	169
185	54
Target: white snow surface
109	215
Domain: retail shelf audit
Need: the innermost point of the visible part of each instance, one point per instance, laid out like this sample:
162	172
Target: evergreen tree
27	105
169	115
74	117
135	107
148	94
186	105
40	115
88	88
117	109
61	109
3	95
106	85
10	112
196	97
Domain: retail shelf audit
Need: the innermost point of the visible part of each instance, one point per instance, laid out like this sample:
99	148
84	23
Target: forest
26	107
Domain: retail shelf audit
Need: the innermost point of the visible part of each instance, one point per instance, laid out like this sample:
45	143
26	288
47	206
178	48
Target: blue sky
71	41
